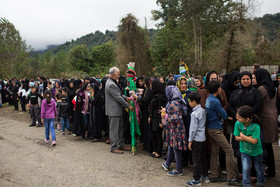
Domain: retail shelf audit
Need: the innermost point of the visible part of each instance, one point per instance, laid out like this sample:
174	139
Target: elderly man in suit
114	103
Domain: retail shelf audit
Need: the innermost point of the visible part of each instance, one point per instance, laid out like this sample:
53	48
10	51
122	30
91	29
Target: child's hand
161	125
190	146
149	120
42	120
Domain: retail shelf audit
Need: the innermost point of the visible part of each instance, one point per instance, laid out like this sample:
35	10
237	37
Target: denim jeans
49	126
246	168
178	157
65	123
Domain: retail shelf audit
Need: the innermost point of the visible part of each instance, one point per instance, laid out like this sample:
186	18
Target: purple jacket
48	110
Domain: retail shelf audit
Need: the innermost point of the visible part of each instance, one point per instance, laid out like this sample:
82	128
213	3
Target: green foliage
79	58
133	46
103	57
13	49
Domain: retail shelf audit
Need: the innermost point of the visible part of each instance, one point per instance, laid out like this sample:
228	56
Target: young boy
197	140
33	104
215	130
64	113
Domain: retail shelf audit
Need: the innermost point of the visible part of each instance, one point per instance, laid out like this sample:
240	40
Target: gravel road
25	160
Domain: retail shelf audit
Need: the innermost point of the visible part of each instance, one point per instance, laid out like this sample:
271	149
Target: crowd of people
217	124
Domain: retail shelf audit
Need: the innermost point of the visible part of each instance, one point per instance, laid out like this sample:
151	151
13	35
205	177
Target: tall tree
79	58
132	46
13	50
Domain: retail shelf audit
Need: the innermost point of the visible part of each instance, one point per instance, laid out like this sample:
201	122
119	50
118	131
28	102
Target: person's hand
134	95
28	105
230	118
42	120
161	125
131	108
127	88
190	146
128	99
149	120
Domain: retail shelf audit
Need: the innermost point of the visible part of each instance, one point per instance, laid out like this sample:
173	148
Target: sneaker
165	167
32	125
62	133
175	173
47	141
205	179
218	179
224	172
53	143
74	135
234	182
193	183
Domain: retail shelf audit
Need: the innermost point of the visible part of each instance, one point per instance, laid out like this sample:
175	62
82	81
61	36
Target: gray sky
45	22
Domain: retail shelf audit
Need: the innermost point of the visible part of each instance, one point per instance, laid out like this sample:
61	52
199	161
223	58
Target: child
58	104
64	112
34	106
197	140
247	131
22	93
215	112
175	129
48	113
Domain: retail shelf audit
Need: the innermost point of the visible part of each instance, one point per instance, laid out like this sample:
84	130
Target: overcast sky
45	22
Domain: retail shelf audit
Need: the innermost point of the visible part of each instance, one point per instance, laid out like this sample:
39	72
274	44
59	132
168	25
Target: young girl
22	93
48	114
247	131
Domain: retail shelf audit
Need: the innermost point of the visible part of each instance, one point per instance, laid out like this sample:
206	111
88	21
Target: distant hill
91	40
271	26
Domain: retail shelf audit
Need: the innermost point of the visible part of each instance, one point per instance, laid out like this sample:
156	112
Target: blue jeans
246	168
65	123
49	126
178	158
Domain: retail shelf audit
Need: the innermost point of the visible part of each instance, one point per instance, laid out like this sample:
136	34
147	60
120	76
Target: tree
103	57
197	23
132	46
79	58
13	50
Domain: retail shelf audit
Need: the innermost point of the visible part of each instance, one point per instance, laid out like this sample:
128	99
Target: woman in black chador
101	118
145	102
78	124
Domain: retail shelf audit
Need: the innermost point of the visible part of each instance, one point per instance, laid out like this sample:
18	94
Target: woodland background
205	34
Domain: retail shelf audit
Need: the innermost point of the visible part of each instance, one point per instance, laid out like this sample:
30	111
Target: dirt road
25	160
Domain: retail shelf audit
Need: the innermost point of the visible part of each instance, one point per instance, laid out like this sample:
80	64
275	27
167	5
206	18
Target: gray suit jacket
114	100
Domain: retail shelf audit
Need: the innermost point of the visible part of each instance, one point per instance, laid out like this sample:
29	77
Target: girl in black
158	102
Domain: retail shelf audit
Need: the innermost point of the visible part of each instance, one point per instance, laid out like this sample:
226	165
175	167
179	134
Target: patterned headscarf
173	94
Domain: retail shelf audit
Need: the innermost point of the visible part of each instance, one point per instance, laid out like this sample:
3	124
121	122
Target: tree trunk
230	47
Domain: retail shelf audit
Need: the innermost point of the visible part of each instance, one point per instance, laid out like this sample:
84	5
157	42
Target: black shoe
234	182
39	125
32	125
217	179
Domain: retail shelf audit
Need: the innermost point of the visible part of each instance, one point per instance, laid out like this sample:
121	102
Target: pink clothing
48	110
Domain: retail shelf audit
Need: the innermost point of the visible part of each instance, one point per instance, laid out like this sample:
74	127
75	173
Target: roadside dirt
25	160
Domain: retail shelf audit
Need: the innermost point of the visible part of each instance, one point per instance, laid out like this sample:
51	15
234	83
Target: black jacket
64	110
245	96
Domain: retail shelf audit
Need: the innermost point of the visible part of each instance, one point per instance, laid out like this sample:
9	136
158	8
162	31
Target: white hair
113	70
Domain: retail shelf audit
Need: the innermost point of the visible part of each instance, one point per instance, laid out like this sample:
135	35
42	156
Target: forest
205	34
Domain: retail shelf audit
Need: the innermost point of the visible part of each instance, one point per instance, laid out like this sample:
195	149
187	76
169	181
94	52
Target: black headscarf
208	77
264	79
158	87
246	73
228	84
